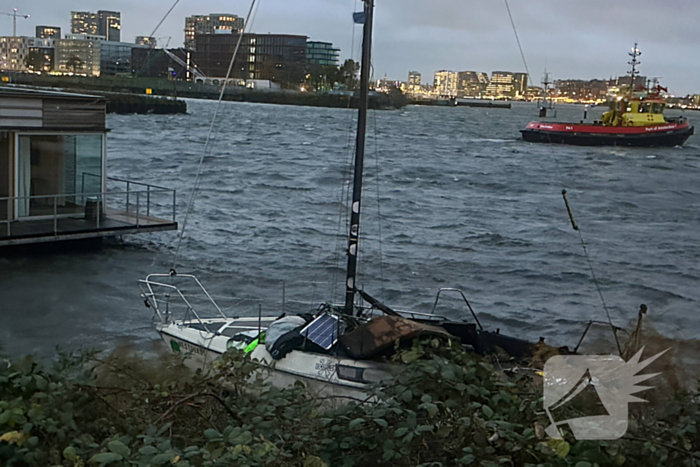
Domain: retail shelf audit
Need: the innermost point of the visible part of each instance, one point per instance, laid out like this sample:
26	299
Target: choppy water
464	203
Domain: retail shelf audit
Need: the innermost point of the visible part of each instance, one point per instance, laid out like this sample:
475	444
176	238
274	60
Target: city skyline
583	40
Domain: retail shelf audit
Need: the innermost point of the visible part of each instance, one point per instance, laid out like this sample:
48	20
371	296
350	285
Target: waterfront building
445	83
581	90
151	42
322	53
414	78
213	23
79	54
48	32
115	57
501	85
13	53
273	57
103	23
520	83
472	83
26	54
53	173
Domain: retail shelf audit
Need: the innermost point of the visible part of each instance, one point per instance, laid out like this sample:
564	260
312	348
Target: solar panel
323	331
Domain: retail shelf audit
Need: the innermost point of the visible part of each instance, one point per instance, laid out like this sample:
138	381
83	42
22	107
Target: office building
48	32
472	83
213	23
146	40
520	84
501	84
13	53
79	54
414	78
274	57
322	53
445	83
103	23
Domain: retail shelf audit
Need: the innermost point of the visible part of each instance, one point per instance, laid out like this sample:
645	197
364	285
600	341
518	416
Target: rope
379	211
517	38
207	146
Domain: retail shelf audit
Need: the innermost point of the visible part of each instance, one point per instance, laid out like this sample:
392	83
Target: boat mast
354	234
634	62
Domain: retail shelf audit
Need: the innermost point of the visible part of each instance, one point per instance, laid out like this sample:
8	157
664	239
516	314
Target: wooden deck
78	227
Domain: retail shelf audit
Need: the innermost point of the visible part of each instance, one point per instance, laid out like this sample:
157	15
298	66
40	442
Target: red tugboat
635	119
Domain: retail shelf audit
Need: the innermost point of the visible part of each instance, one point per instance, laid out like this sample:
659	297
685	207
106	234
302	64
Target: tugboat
635	119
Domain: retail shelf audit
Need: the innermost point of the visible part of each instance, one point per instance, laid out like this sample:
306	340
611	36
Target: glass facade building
213	23
322	53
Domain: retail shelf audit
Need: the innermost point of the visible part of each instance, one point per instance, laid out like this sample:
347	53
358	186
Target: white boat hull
323	375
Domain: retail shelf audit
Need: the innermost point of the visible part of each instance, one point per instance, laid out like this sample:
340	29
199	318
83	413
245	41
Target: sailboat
337	349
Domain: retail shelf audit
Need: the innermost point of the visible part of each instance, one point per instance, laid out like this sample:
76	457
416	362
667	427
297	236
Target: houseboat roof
11	90
29	109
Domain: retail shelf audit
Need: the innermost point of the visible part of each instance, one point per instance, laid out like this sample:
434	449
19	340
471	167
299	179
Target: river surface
453	198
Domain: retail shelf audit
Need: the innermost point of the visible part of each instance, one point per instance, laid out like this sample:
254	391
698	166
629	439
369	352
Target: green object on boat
259	340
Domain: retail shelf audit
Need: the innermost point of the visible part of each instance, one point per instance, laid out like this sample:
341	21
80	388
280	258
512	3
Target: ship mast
634	63
354	234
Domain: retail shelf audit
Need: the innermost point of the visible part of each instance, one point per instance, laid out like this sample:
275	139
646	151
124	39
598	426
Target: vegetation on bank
446	407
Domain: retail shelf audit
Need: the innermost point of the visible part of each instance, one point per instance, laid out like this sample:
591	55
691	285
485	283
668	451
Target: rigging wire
573	222
517	38
379	211
153	34
207	145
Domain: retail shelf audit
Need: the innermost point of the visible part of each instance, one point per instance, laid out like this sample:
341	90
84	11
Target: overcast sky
572	38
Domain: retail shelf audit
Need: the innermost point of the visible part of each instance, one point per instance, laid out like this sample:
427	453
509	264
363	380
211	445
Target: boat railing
158	294
449	289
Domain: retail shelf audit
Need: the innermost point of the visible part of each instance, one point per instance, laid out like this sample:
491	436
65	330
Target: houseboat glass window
5	174
58	169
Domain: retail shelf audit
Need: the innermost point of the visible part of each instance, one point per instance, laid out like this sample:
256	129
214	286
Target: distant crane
14	15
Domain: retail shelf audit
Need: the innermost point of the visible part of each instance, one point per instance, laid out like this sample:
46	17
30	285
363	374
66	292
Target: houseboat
53	173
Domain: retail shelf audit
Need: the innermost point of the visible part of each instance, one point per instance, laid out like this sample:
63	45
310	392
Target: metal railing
147	205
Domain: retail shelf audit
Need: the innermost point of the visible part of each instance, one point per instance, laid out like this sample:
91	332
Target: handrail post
174	204
99	205
55	215
148	200
9	223
127	196
138	202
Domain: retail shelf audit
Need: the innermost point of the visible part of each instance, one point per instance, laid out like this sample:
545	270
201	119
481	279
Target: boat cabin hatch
53	172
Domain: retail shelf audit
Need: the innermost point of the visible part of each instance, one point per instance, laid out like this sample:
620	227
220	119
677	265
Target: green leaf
407	396
212	434
466	460
432	409
148	451
70	454
583	464
105	458
560	447
400	432
381	422
118	447
488	411
357	421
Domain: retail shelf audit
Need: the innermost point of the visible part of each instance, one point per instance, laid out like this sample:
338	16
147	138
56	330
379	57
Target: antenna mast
634	53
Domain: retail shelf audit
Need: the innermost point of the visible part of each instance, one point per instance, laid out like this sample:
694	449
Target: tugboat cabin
53	173
635	111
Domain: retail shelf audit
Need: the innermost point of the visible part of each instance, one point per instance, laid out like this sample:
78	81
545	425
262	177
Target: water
464	203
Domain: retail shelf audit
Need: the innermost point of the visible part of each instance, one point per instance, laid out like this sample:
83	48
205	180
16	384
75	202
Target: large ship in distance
635	118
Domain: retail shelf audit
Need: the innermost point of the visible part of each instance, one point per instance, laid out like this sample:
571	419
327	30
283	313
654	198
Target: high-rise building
213	23
472	83
48	32
13	53
41	54
103	23
109	24
83	22
445	83
520	84
274	57
322	53
414	78
501	84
